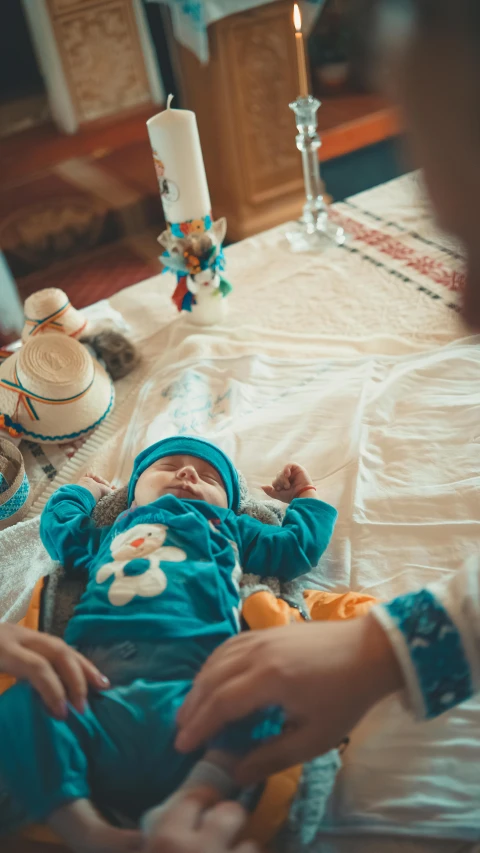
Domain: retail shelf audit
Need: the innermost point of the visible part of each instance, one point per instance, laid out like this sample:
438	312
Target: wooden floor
349	122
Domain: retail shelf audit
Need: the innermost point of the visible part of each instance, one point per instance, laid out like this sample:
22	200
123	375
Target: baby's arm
291	550
66	527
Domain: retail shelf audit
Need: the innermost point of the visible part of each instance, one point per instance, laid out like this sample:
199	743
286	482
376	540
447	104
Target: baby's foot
85	830
108	839
205	795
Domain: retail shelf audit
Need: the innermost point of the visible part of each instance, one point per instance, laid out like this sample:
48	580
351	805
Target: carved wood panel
261	50
60	6
246	127
101	54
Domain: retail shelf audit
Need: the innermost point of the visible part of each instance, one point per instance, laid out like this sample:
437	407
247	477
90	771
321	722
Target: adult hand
325	676
55	670
186	829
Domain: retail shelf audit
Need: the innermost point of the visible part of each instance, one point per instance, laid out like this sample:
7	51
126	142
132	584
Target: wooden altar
246	127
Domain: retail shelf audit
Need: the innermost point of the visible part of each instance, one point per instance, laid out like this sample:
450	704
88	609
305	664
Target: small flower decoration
192	263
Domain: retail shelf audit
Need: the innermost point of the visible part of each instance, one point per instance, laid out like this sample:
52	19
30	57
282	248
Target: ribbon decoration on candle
301	61
192	242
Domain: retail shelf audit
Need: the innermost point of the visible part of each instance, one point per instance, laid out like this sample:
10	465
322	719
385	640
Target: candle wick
169	101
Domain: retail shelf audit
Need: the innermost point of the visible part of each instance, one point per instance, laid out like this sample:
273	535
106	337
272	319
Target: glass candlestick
314	230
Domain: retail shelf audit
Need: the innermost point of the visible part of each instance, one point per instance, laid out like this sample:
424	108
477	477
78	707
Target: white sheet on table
393	442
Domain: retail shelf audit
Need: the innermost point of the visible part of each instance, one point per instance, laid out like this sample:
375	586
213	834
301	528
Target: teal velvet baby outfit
162	594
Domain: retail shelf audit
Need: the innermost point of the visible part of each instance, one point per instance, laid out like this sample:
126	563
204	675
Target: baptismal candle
178	159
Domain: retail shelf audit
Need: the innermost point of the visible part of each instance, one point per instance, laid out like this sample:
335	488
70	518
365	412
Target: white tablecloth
379	316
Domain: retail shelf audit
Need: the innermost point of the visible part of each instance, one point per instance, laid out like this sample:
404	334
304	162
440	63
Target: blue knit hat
185	445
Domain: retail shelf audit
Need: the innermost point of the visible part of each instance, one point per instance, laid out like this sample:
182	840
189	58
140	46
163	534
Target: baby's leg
44	766
84	830
42	763
212	779
210	782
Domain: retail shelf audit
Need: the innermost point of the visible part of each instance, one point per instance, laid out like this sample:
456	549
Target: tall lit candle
178	159
301	62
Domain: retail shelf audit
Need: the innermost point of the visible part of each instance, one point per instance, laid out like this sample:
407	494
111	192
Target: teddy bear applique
136	566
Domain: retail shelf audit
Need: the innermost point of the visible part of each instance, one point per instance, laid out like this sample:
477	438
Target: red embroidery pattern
395	249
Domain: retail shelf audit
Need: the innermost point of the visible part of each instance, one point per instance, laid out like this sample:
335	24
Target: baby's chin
183	493
187	495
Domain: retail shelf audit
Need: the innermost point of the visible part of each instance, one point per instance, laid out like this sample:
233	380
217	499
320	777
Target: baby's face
186	477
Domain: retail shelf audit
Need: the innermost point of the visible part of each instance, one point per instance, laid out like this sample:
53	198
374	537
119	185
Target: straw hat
52	390
50	310
14	485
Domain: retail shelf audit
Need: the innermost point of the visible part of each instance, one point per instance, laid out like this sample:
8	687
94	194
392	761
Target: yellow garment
273	809
324	606
30	620
263	610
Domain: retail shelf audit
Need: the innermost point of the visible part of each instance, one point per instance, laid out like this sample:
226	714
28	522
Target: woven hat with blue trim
14	485
50	310
53	391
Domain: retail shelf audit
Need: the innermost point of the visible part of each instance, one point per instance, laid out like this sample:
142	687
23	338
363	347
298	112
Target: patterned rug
100	273
83	224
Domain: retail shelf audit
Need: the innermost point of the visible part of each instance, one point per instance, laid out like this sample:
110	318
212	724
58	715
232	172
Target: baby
162	594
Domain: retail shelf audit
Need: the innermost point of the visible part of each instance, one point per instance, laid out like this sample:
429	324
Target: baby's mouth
186	489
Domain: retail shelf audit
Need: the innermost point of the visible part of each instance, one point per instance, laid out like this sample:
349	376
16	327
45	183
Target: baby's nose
188	473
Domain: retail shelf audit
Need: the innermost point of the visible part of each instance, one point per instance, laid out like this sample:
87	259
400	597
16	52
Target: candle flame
297	18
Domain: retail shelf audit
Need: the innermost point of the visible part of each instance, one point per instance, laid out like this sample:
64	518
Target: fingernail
61	710
104	680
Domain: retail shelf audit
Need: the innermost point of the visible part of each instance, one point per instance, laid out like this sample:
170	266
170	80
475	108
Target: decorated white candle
178	159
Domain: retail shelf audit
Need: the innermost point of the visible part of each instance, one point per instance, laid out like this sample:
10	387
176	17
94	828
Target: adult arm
326	676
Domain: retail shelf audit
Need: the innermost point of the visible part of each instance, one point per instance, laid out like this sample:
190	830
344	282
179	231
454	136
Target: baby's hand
288	484
96	485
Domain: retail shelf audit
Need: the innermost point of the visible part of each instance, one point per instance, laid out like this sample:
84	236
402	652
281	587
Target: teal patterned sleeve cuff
435	650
